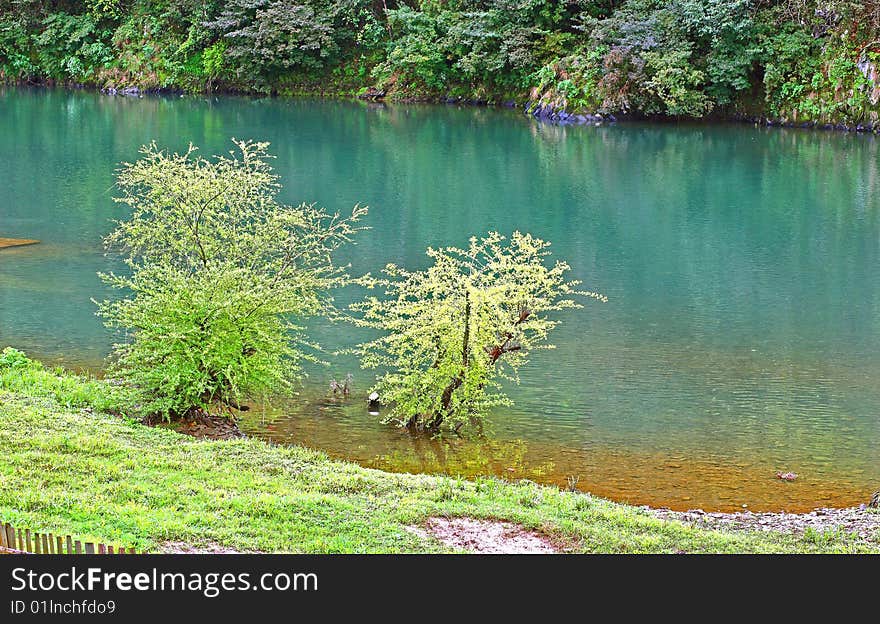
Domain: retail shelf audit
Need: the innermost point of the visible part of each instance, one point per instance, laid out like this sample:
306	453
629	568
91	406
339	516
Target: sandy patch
182	548
486	536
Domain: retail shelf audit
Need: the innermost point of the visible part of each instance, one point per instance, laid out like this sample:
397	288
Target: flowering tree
220	274
450	333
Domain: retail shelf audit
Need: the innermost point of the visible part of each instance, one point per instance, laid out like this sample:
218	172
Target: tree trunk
455	384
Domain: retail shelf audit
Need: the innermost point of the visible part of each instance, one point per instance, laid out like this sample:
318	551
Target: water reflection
680	479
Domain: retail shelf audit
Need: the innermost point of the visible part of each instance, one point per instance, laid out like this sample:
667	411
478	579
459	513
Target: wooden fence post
37	543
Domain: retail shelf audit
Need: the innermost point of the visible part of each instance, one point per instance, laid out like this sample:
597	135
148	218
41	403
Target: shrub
220	275
13	359
452	331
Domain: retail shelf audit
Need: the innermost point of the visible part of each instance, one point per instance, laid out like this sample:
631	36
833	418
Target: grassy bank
69	467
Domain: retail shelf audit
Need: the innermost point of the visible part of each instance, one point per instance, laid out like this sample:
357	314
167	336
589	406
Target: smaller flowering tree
453	332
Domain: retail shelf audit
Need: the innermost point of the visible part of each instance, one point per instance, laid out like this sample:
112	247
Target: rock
374	402
372	94
860	521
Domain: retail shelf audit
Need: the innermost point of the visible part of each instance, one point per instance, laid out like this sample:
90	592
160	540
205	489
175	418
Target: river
742	266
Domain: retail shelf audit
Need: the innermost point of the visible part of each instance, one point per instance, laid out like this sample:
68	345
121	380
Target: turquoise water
742	267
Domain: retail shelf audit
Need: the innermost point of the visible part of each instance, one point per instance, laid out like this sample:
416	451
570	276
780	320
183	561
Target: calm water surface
742	334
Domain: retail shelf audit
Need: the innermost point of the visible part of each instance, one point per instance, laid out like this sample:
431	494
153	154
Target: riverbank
819	524
536	109
793	60
71	466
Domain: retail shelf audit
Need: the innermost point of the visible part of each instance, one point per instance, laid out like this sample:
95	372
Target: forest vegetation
795	60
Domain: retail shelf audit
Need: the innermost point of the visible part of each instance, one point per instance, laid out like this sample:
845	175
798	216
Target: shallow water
742	267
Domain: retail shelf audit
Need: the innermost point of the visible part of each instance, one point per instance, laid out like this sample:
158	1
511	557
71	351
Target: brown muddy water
681	479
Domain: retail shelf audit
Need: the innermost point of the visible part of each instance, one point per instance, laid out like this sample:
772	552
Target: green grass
103	478
20	374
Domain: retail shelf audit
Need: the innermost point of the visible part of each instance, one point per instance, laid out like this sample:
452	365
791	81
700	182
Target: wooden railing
23	541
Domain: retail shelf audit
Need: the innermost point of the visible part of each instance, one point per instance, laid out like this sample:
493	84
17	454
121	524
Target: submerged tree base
201	425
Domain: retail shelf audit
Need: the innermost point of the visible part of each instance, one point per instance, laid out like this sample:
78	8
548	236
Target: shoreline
263	497
545	114
860	521
605	485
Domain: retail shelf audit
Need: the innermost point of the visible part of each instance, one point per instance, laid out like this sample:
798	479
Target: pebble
854	520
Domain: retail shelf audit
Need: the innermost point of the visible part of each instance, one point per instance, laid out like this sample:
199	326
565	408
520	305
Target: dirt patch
204	426
182	548
9	551
16	242
486	536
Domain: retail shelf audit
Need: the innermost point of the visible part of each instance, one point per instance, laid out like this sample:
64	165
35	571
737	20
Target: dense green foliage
796	59
219	274
452	331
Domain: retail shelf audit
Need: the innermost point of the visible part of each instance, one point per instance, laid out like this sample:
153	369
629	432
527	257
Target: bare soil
486	536
182	548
